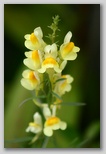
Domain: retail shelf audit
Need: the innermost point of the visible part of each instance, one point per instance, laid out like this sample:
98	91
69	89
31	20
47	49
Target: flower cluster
44	76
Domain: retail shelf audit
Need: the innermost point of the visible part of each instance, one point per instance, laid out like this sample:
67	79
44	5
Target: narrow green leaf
82	144
26	100
56	95
73	143
93	130
45	142
42	96
72	104
61	79
24	139
31	98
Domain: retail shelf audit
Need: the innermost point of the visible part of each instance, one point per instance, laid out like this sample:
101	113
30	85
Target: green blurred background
83	20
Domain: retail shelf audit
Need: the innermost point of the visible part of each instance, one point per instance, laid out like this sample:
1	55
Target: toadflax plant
43	76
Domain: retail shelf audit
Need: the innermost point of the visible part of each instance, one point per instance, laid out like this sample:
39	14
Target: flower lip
33	60
51	121
50	61
30	79
35	55
68	48
33	124
32	76
33	38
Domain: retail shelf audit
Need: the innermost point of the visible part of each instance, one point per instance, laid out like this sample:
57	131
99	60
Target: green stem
45	142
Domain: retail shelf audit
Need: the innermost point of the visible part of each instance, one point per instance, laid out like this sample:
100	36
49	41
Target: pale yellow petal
28	54
42	70
54	107
38	32
30	45
57	69
27	129
27	84
33	129
63	64
37	118
50	48
68	37
68	87
55	126
63	125
48	131
69	78
76	49
70	56
34	65
27	36
51	51
29	63
25	73
46	112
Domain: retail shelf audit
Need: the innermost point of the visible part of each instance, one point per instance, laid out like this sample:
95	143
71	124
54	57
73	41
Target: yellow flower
68	50
36	126
52	121
34	40
30	79
51	60
33	60
49	63
63	86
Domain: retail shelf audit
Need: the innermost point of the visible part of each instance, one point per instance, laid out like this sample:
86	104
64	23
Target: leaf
42	96
82	144
56	95
24	139
61	79
35	138
72	104
93	130
26	100
73	143
31	98
45	142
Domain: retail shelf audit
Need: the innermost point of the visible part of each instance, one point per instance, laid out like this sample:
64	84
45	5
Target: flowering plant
44	78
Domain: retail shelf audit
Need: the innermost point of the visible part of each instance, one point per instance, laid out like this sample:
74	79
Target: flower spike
44	78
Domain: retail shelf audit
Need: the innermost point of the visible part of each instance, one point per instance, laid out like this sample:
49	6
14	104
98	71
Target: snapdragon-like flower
51	60
36	126
52	121
64	85
33	60
34	40
30	79
49	63
68	50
